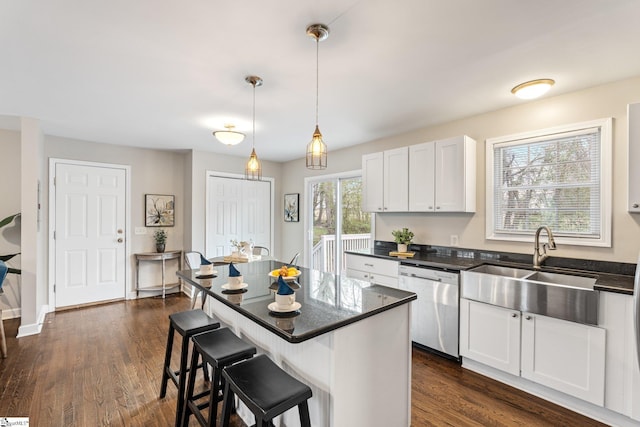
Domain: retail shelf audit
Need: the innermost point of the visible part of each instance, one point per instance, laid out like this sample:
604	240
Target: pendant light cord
317	75
253	141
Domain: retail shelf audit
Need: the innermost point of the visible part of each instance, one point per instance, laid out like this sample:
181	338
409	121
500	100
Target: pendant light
317	149
253	170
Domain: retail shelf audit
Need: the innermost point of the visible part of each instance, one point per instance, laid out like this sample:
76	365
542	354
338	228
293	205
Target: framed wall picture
159	210
291	207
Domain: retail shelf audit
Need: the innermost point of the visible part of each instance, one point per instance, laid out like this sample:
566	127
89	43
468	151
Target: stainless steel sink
563	296
562	279
503	271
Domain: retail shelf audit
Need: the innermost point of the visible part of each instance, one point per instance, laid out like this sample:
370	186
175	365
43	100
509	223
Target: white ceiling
165	74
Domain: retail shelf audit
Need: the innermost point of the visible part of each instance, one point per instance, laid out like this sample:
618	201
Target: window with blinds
551	178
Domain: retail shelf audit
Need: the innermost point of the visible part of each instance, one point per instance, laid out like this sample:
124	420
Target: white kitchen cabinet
565	356
422	177
490	335
442	176
372	182
385	178
633	117
622	374
374	270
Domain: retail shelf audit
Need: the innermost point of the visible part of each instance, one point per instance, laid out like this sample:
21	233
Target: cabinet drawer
379	279
373	265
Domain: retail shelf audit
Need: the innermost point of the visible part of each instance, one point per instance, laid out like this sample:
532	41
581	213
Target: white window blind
549	180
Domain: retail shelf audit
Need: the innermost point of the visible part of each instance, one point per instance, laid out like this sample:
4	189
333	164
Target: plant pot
402	247
160	247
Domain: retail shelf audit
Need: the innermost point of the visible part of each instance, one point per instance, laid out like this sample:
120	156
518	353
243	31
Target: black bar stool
267	390
187	323
218	348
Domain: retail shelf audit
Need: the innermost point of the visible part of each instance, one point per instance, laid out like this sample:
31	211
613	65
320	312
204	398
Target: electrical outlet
140	230
454	240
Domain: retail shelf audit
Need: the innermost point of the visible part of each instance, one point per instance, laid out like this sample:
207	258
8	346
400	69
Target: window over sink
560	177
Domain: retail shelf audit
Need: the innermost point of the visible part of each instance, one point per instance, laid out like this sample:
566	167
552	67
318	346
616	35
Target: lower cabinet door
490	335
566	356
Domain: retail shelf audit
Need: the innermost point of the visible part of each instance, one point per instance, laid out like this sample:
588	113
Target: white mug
285	301
235	282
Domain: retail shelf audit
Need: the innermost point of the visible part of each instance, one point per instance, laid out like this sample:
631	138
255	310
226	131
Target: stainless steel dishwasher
434	315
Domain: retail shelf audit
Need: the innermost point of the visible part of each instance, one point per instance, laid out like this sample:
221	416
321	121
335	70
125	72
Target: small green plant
160	237
403	236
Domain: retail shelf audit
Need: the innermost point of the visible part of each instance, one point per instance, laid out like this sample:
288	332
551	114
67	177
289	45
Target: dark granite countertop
328	301
611	276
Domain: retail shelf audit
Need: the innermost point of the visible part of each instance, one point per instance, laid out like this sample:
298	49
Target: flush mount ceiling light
317	149
229	136
253	170
532	89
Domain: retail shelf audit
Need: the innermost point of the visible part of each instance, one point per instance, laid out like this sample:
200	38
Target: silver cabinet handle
528	317
368	265
514	315
120	240
635	205
437	207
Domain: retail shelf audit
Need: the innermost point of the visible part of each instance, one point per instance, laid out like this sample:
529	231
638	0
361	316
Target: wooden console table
157	256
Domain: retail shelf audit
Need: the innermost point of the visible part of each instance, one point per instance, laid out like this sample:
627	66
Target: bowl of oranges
287	273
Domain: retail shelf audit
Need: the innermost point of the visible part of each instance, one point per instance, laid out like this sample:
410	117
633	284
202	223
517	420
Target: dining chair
294	260
260	250
192	258
3	340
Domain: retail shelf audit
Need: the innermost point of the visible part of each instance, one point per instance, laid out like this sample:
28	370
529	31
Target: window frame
606	190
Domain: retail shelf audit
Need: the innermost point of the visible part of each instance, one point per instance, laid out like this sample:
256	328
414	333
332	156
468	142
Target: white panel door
89	234
256	212
223	215
237	210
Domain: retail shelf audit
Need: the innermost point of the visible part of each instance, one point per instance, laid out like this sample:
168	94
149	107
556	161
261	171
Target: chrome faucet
538	258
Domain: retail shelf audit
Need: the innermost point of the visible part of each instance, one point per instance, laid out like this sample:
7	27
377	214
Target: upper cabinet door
422	177
633	115
396	180
455	175
372	182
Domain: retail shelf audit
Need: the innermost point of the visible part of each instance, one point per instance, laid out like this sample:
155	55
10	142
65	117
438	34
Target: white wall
203	162
603	101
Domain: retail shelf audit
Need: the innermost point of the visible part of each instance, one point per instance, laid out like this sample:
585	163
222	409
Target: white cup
206	270
235	282
285	301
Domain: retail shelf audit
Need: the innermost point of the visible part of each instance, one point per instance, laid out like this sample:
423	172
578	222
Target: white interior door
237	209
90	212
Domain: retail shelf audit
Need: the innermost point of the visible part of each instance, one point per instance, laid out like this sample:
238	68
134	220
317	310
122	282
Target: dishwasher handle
433	279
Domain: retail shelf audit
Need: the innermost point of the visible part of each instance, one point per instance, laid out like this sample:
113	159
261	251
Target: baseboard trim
11	313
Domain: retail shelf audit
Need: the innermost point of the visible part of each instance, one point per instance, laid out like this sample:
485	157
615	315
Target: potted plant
160	236
402	238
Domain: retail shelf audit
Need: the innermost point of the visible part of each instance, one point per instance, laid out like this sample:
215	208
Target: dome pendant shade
229	136
532	89
253	170
317	151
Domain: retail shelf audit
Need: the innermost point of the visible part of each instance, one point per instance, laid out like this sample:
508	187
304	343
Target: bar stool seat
187	324
267	390
218	348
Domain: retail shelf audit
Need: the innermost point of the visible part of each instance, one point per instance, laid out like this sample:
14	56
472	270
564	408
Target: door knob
120	240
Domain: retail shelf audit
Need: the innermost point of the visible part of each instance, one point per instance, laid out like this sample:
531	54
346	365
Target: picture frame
159	210
291	207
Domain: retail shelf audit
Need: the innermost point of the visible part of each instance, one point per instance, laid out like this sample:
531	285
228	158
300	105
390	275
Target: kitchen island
349	341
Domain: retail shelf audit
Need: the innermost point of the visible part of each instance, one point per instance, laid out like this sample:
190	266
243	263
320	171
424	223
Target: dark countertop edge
605	282
296	339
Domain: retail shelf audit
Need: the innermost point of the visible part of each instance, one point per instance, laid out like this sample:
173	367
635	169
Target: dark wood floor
101	366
